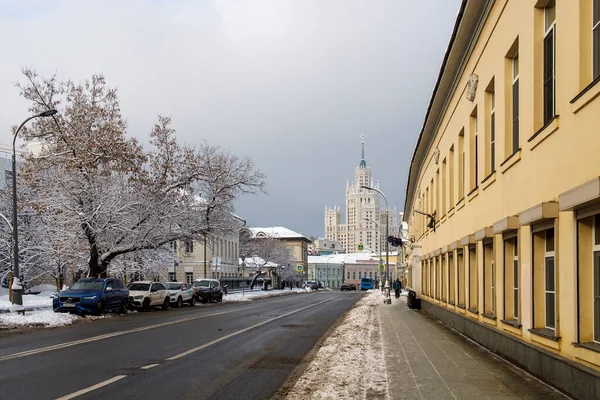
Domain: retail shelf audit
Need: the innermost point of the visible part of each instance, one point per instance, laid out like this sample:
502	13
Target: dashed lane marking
150	366
92	388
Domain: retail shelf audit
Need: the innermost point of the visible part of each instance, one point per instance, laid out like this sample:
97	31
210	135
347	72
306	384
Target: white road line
195	349
150	366
91	388
113	334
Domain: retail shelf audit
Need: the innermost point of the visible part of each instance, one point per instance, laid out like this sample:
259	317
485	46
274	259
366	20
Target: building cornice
470	20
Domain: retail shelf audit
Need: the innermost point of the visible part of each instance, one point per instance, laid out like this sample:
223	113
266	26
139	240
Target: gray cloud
291	84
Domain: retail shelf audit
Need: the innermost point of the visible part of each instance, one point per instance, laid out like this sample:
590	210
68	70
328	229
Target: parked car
345	286
352	286
313	285
92	296
208	290
181	292
146	294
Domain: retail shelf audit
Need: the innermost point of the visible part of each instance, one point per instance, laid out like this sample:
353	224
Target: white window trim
594	27
595	248
515	258
493	131
515	62
548	254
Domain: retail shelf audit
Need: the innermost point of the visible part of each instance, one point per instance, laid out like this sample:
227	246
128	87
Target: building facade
328	269
297	242
365	220
324	247
503	194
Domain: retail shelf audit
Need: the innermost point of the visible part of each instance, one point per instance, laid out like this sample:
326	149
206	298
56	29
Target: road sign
381	267
361	247
299	268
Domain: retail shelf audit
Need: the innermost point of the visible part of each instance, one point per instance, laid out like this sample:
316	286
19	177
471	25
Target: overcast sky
292	84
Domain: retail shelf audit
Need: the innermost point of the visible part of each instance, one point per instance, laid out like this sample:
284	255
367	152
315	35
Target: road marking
195	349
150	366
91	388
113	334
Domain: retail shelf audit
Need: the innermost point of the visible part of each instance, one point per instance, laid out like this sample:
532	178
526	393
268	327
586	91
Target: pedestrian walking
396	287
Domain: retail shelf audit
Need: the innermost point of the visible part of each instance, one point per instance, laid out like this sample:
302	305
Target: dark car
352	286
92	296
345	286
208	290
313	285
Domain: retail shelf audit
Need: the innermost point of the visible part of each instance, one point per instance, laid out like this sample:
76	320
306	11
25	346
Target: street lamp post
387	227
17	294
379	235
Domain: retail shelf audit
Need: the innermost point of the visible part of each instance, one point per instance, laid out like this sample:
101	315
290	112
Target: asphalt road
242	350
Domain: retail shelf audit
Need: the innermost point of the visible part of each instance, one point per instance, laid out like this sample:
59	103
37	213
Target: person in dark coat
396	286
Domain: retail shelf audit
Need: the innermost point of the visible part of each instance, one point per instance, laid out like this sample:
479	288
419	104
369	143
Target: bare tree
109	196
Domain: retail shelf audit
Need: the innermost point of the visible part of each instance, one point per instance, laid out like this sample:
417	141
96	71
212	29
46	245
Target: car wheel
100	308
146	304
193	301
166	303
220	299
179	302
123	308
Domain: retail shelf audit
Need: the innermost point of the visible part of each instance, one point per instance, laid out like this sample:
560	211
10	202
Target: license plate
73	305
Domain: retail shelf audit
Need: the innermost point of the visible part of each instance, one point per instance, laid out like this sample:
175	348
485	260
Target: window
492	158
473	279
443	279
443	198
189	246
451	278
596	256
348	275
550	280
473	151
515	103
489	276
596	39
511	276
172	277
461	165
437	190
549	60
189	277
461	277
451	178
438	278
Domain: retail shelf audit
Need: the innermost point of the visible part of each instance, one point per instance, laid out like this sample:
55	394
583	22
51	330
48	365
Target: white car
181	292
146	294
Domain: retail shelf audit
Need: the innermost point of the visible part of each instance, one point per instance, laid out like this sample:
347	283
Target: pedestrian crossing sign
299	268
381	267
361	247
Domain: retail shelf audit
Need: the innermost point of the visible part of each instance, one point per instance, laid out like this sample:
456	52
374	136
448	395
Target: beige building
507	168
219	258
365	220
297	242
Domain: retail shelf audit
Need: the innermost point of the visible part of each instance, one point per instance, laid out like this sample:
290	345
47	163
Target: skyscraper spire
363	163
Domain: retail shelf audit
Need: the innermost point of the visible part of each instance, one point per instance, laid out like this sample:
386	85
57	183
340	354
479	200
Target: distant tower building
362	208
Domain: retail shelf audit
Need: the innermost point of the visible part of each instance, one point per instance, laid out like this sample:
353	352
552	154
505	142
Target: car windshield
202	283
173	286
87	285
139	286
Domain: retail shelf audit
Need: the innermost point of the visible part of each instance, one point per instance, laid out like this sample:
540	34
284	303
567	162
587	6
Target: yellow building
503	194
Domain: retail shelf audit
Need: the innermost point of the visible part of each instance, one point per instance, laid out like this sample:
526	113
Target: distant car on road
313	285
92	296
208	290
352	286
345	286
181	292
146	294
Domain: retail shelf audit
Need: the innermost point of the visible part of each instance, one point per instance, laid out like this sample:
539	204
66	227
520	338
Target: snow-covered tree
105	196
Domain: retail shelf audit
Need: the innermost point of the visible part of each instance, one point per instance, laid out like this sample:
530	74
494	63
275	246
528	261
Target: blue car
92	296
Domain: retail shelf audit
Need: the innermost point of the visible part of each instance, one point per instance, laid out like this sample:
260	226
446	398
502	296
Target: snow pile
47	318
260	294
30	301
350	363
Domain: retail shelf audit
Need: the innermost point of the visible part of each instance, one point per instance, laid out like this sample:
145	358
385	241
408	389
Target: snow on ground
45	318
30	301
350	362
39	311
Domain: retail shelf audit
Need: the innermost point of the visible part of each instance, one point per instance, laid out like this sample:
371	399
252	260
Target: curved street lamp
17	297
387	228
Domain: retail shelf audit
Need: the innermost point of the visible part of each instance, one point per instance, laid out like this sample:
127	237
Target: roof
278	232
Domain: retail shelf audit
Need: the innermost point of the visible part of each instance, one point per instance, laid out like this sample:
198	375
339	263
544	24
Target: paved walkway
427	360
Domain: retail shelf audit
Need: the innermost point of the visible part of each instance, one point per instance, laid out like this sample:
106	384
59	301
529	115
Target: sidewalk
427	360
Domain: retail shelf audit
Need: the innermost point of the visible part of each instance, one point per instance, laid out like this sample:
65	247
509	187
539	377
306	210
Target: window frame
550	255
549	29
516	277
515	104
595	46
596	277
493	131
